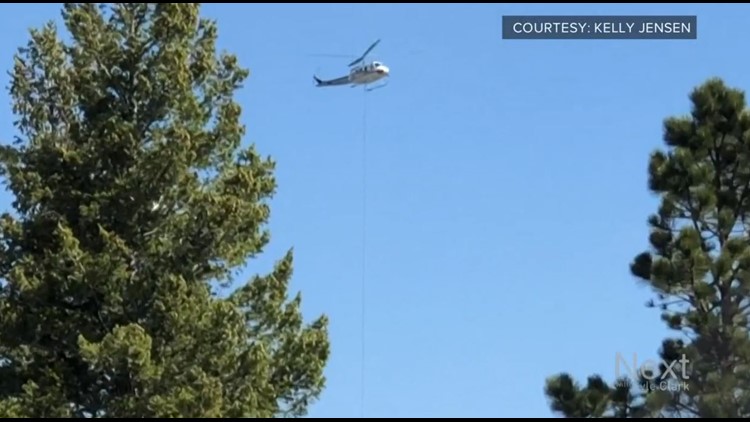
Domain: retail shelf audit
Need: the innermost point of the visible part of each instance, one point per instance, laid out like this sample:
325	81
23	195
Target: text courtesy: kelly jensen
600	27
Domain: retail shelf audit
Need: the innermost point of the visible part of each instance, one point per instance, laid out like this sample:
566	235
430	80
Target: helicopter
361	73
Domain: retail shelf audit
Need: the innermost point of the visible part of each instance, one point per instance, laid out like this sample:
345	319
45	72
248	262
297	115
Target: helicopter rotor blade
362	57
371	48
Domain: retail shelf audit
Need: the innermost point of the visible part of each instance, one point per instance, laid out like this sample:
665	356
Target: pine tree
699	268
134	202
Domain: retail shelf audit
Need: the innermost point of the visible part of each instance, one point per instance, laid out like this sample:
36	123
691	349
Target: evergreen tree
133	202
699	268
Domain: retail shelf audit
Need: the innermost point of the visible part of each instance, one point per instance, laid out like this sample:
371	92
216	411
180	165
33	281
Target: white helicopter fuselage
369	73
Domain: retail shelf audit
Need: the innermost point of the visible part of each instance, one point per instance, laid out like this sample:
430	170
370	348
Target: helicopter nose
384	70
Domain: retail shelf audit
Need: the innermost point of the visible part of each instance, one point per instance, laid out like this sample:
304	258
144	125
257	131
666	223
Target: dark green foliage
699	266
133	199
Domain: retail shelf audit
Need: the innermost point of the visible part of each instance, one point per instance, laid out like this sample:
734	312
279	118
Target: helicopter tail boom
333	82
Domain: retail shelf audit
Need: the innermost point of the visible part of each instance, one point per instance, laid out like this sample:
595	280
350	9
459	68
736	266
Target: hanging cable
364	242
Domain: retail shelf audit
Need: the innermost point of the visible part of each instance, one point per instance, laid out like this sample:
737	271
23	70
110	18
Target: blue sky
505	194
